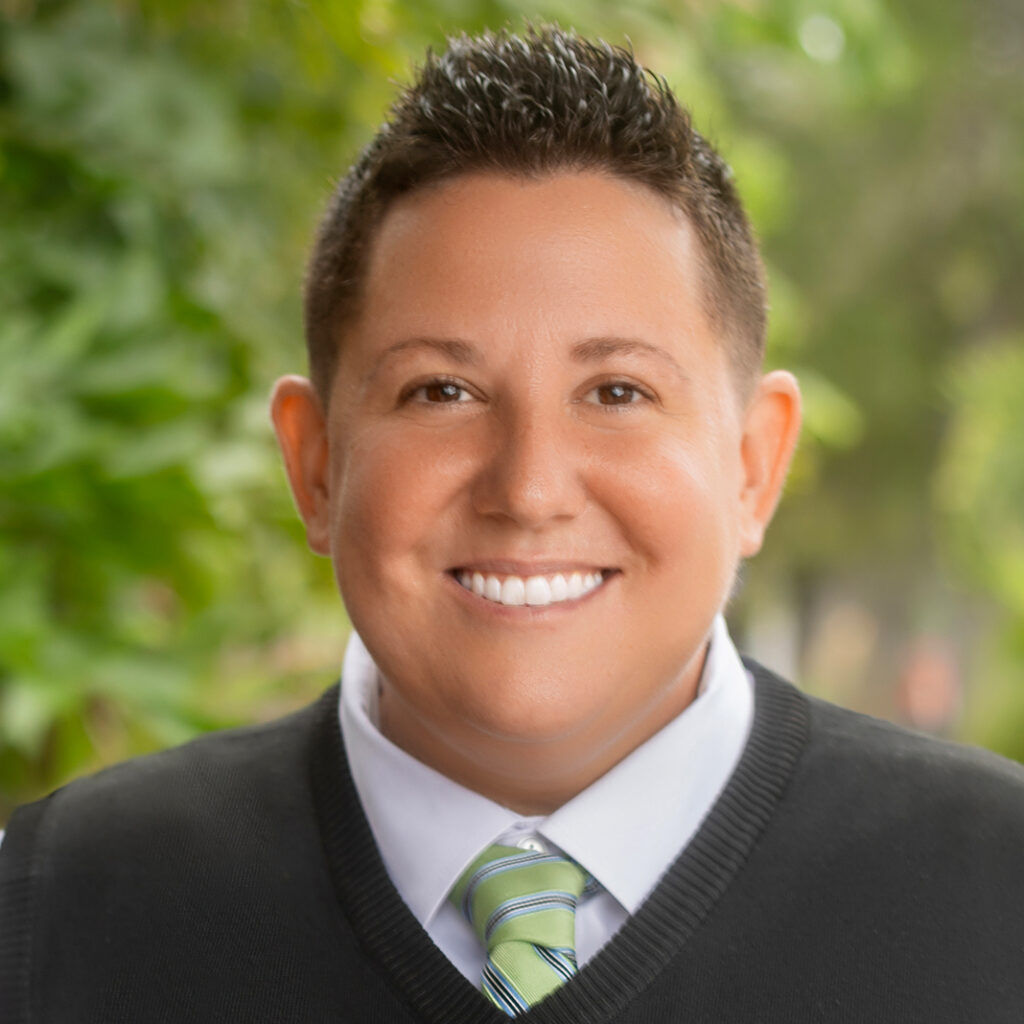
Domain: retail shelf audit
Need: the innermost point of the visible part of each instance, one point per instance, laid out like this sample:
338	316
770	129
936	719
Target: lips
535	591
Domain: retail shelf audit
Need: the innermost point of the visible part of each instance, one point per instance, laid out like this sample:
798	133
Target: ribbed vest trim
430	984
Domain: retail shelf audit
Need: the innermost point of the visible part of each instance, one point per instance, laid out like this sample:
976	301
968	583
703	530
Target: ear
770	430
302	436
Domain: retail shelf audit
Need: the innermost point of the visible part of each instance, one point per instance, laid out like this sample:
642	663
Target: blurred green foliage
162	163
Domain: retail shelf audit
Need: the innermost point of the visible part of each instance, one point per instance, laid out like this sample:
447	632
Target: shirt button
533	843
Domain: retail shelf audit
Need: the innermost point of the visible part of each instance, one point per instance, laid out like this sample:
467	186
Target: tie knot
512	894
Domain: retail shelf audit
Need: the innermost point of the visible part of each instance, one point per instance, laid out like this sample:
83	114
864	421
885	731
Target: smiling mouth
535	591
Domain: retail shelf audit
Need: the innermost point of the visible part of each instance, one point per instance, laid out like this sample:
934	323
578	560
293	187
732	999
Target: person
536	443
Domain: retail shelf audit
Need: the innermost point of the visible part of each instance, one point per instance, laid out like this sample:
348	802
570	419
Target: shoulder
201	790
908	838
210	853
901	764
873	779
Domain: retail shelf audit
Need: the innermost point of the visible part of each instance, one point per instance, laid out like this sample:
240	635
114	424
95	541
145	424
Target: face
537	475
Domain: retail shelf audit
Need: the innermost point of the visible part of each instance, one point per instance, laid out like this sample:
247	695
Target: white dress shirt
626	828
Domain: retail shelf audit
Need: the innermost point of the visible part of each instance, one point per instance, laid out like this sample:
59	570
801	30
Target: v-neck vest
849	871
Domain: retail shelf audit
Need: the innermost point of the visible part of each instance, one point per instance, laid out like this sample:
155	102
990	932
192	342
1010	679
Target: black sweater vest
850	872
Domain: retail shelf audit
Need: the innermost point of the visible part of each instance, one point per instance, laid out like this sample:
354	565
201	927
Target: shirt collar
626	828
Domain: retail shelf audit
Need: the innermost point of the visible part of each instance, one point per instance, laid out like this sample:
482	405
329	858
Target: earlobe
302	437
771	428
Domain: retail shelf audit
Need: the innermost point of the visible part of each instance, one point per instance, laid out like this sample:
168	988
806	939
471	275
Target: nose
533	473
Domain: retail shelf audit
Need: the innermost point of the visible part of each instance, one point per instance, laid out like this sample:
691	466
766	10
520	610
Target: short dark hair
538	103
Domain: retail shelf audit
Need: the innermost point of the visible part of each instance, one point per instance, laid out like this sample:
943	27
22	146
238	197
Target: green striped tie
522	905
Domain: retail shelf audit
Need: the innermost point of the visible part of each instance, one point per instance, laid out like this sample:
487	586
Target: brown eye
442	392
616	394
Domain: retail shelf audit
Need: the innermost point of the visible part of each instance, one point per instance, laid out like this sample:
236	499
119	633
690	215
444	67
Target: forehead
568	254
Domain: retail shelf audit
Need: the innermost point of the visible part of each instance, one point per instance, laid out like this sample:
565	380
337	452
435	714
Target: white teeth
513	591
536	591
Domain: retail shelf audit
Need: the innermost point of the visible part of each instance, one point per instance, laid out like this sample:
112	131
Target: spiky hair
530	105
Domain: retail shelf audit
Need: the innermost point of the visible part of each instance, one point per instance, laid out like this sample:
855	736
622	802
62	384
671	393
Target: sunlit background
162	165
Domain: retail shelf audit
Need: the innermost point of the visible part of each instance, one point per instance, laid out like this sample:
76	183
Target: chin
531	709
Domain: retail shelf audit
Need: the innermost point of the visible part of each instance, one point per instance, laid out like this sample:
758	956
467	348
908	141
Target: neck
529	775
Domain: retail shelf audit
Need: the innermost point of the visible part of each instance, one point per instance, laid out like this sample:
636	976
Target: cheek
672	496
391	492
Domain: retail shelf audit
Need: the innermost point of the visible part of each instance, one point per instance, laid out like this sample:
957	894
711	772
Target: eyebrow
593	350
458	351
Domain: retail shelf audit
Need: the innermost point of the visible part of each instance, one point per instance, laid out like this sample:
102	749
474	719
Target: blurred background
162	166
